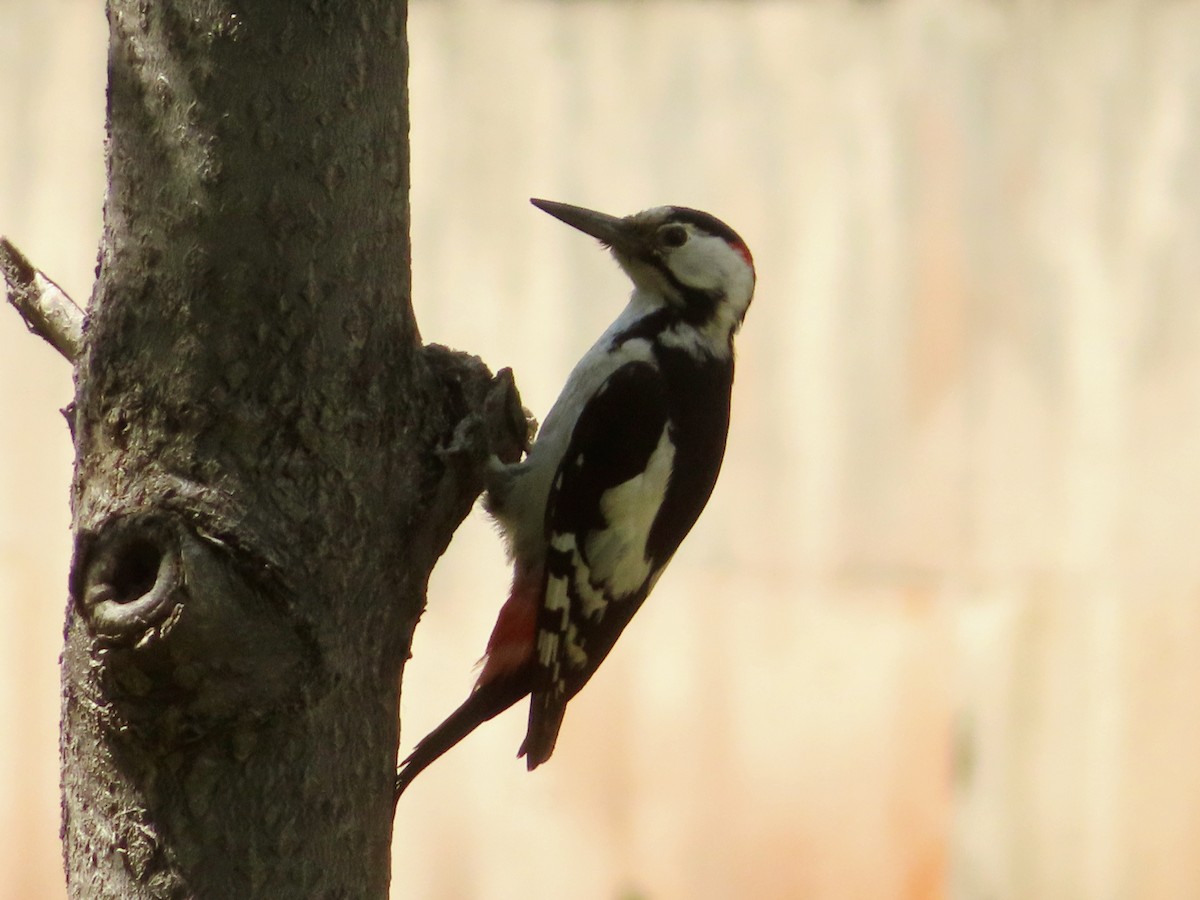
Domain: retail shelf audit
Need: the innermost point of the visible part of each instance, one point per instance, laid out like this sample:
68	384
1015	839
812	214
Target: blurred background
937	634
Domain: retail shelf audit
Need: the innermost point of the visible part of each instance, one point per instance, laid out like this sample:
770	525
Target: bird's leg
511	427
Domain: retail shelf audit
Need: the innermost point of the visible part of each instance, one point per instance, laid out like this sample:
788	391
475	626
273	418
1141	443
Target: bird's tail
486	701
546	711
549	702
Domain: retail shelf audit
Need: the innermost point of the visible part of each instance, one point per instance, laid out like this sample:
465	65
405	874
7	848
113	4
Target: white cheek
709	263
741	289
698	263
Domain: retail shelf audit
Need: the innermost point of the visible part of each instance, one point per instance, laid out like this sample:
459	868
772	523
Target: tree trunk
258	499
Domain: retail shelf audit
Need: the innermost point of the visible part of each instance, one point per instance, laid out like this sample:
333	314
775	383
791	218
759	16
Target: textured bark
259	494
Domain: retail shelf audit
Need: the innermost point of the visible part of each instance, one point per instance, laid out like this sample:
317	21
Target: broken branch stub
47	310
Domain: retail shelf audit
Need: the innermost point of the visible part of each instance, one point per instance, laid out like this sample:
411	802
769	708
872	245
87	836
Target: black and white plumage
620	471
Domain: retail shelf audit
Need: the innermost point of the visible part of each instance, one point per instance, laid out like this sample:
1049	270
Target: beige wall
937	634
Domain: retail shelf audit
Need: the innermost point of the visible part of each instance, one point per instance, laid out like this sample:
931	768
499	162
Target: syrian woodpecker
619	473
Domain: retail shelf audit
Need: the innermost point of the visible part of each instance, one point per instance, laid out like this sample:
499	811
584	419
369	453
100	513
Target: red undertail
511	645
508	675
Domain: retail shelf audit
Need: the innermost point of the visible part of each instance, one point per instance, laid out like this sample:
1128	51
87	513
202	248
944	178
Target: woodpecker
620	470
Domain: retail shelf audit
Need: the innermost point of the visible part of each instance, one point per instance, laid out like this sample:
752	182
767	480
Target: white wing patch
520	507
618	553
617	556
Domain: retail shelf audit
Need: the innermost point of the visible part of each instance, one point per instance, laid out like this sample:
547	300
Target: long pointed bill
616	233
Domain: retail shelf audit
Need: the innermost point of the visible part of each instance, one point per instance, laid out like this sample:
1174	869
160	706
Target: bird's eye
673	235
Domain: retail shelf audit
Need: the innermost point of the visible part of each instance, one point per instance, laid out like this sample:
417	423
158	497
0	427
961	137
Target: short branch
47	310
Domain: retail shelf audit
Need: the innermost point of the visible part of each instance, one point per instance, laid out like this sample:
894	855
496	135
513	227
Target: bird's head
682	258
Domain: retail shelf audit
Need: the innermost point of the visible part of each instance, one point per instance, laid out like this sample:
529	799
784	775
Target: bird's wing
604	500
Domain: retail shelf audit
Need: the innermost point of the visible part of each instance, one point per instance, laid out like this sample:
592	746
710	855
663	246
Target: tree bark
262	479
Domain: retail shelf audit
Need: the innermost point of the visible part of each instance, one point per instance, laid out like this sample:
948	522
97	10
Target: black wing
638	470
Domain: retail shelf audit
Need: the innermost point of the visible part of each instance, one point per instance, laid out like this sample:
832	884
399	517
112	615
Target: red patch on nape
745	251
511	645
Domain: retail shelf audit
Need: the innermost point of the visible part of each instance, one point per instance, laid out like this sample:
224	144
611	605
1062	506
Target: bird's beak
620	234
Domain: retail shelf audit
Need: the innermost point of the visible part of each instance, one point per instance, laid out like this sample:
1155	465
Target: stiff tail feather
546	711
486	701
